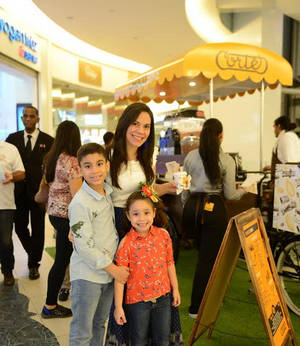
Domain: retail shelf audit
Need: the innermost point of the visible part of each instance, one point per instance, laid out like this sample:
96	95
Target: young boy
92	269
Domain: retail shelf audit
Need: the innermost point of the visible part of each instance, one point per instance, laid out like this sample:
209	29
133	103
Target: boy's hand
71	237
120	316
176	298
121	274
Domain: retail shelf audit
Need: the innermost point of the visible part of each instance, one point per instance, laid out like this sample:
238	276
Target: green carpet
239	322
50	251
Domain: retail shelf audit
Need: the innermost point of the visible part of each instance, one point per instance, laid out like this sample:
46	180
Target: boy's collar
95	194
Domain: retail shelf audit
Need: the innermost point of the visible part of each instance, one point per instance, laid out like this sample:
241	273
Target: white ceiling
150	32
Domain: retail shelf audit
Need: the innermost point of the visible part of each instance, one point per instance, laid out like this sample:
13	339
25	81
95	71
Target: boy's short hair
90	148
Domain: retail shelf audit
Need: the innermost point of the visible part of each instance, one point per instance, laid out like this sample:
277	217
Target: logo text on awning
238	62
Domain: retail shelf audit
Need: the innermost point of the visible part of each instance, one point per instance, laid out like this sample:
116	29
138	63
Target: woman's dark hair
160	219
144	152
209	149
67	140
284	123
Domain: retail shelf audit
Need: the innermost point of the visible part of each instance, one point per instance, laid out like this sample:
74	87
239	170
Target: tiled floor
35	291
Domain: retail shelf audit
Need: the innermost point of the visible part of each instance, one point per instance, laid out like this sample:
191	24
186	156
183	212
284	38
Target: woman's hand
172	187
162	189
119	315
176	298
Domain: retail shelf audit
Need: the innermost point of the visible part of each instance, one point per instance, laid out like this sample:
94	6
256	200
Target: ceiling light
68	96
162	93
56	92
192	84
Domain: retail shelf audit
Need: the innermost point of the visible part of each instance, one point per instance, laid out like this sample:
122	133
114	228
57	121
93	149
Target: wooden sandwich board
246	230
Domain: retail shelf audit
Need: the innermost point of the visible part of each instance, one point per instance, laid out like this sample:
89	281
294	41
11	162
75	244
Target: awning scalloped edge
146	99
123	93
223	60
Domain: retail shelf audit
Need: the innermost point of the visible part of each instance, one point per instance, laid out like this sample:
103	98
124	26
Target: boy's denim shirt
95	237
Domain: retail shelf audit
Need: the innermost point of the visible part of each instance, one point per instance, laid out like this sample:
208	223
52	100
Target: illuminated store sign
19	36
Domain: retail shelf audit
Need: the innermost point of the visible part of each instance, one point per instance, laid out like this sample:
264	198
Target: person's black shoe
34	273
9	279
63	294
58	312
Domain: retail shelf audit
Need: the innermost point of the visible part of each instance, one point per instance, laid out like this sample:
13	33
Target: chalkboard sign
246	230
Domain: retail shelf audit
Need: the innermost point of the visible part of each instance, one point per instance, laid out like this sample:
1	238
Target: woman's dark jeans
63	254
120	220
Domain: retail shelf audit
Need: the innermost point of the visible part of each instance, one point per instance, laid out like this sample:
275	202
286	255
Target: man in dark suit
32	144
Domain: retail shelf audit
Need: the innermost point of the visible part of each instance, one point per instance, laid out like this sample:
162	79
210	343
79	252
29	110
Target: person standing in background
213	175
287	146
108	139
32	144
64	178
11	170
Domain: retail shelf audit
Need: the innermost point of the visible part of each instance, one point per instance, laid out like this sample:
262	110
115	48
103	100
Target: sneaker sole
54	316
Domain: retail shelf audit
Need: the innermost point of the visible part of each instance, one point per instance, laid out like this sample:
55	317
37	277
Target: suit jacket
32	164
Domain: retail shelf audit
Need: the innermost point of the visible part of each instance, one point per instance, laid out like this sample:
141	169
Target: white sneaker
193	315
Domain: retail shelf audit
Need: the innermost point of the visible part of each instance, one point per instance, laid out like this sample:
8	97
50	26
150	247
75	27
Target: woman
64	179
133	161
287	147
134	158
213	174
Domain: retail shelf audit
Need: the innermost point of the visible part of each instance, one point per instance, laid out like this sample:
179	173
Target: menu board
261	274
246	230
286	212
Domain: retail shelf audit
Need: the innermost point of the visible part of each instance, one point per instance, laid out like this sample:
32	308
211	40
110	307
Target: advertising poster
264	282
286	212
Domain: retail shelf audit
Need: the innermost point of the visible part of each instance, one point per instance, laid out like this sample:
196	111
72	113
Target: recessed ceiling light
162	93
192	84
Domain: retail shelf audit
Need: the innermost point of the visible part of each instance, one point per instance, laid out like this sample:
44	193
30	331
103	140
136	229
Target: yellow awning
235	68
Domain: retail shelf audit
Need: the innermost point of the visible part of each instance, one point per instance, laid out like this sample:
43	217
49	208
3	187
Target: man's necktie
28	147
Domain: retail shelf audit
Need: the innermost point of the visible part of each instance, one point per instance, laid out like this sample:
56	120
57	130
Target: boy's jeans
142	315
91	304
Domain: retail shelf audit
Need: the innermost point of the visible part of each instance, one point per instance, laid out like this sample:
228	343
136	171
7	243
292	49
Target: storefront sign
89	73
15	34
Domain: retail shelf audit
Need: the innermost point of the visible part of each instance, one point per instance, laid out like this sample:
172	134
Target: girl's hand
176	298
119	316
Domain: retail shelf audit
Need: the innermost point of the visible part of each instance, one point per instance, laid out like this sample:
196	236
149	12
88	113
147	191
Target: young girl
147	251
